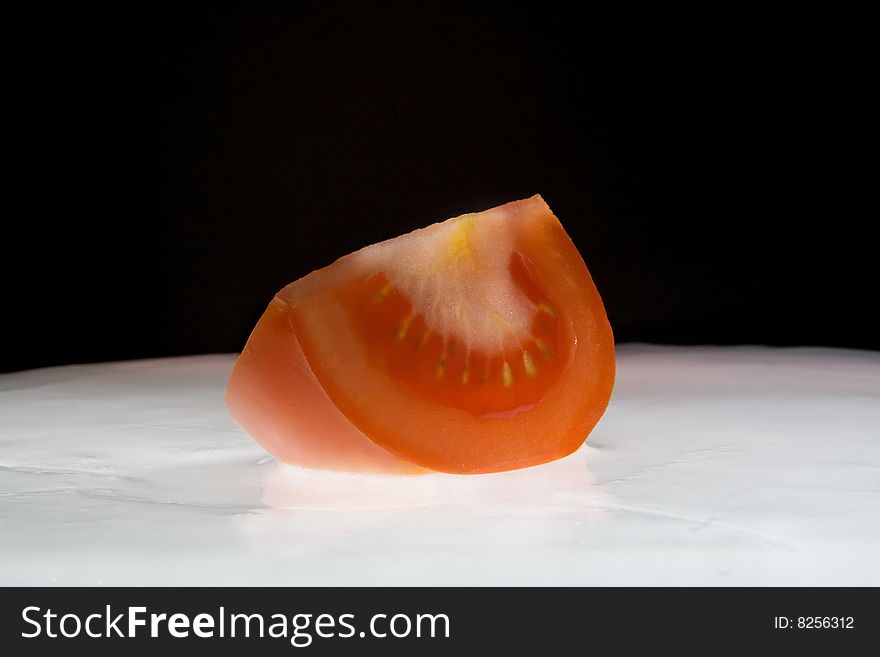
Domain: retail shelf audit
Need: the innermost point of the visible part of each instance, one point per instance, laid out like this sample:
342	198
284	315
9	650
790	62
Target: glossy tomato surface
477	344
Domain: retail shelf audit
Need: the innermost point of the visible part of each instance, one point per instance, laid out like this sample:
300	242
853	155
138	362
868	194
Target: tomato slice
478	344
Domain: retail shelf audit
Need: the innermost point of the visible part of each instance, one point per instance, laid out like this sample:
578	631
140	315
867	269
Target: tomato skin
309	389
273	395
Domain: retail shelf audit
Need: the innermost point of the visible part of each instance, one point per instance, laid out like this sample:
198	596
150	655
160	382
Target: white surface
712	466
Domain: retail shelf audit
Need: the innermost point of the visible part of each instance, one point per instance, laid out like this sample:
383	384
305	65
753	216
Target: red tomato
478	344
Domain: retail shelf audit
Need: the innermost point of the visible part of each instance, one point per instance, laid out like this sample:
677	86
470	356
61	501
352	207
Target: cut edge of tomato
288	412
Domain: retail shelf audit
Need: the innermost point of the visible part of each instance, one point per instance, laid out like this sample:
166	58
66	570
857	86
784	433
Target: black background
706	164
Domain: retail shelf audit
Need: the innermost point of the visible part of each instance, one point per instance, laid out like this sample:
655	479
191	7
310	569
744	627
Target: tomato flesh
443	368
475	345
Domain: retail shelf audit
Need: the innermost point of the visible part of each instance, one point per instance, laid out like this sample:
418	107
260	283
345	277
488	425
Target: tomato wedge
477	344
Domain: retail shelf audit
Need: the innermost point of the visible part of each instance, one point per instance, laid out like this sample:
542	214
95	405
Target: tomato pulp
477	344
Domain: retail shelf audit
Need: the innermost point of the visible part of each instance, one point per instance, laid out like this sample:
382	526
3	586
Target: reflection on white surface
712	466
397	514
290	488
